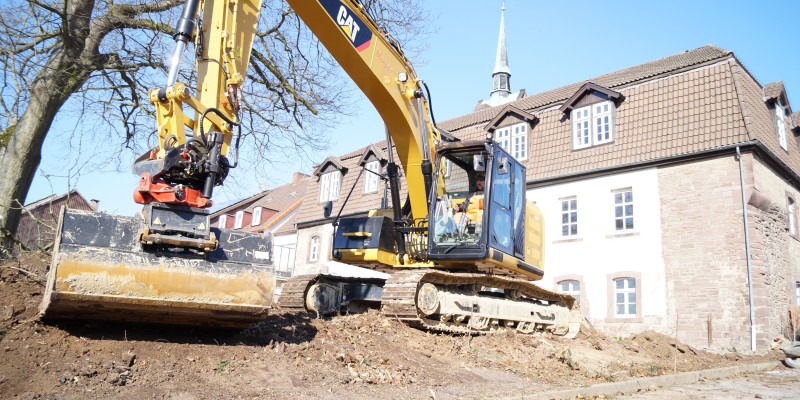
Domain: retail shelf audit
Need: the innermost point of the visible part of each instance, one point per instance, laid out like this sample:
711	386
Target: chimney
298	176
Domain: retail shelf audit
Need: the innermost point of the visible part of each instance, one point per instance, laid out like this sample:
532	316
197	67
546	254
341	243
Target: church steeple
501	76
501	87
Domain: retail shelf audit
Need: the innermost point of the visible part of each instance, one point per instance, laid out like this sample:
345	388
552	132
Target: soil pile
298	357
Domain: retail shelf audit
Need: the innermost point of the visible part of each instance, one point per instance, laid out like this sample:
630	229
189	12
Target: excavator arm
184	170
376	64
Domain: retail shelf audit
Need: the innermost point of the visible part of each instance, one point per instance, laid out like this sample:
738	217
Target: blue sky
550	44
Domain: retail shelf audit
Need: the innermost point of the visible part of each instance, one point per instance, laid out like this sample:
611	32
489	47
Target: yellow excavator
466	271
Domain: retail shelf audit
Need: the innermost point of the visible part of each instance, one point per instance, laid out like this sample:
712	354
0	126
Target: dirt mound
288	355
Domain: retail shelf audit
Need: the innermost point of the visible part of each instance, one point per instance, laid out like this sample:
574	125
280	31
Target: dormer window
256	217
514	139
592	113
775	97
780	121
593	125
372	161
237	223
373	168
329	184
510	129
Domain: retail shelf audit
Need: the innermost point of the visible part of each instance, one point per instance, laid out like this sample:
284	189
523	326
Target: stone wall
302	264
704	252
776	254
705	257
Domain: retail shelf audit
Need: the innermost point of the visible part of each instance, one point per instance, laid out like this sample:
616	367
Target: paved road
779	383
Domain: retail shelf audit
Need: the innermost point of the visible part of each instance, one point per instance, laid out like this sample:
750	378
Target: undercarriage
440	301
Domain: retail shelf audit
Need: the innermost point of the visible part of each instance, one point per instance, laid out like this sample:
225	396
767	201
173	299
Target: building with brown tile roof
358	192
39	219
645	177
272	212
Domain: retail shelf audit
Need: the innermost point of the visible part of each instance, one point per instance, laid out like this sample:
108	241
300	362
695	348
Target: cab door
506	230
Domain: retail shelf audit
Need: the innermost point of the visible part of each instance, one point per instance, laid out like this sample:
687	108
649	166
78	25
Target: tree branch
61	14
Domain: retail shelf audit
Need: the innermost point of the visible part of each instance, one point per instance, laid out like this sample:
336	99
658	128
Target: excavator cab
490	223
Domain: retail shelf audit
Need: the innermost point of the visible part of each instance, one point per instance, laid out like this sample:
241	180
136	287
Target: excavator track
408	294
452	302
324	294
293	292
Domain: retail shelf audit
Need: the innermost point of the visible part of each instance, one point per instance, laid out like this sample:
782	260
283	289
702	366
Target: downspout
747	253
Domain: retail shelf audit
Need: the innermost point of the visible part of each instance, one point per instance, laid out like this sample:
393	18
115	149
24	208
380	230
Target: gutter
747	253
533	184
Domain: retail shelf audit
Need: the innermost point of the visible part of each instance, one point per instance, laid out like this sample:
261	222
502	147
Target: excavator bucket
100	271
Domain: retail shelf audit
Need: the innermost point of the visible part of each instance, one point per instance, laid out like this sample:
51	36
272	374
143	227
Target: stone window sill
568	240
617	320
622	235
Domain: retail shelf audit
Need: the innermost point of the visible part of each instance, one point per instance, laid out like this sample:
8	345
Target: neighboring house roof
285	199
73	195
290	226
239	205
281	199
39	218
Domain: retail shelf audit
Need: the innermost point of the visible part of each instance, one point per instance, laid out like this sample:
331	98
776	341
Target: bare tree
96	59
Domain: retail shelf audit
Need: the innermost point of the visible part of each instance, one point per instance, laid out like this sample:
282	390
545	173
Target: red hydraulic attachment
159	191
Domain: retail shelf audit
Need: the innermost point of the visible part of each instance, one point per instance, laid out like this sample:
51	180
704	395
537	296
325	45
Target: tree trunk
19	158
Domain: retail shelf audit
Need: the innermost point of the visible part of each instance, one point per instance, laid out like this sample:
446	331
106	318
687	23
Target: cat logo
352	26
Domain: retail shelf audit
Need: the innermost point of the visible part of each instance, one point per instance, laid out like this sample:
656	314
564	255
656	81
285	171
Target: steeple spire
501	76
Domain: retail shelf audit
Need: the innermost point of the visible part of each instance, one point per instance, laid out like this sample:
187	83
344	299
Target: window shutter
238	222
336	179
256	216
324	187
371	183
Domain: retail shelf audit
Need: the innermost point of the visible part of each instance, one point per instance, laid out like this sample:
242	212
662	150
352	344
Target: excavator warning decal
352	26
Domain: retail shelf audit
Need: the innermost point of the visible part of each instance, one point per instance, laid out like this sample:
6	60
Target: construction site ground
294	356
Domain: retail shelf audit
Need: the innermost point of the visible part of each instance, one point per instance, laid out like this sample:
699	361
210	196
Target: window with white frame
572	288
237	223
313	249
780	121
256	216
284	259
329	184
371	183
222	223
592	125
569	216
791	211
625	298
623	210
514	139
797	293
